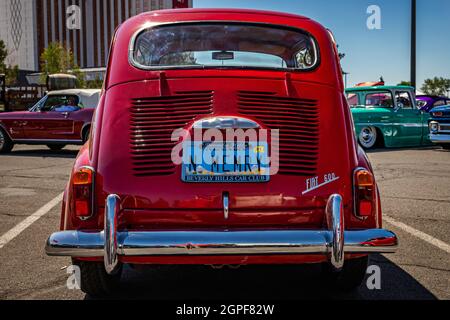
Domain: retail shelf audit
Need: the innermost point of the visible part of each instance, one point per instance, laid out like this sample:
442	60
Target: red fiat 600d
223	137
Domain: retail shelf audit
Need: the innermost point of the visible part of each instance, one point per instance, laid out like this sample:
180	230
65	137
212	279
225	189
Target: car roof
358	89
432	97
223	10
79	92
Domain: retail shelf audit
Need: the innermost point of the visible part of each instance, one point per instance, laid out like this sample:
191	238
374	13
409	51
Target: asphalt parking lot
415	190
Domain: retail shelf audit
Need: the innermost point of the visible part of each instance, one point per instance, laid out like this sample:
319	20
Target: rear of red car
181	81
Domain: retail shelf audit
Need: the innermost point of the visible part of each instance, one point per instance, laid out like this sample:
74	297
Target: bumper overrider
111	243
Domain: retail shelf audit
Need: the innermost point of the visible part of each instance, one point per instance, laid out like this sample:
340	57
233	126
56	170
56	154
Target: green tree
405	83
11	72
57	59
436	86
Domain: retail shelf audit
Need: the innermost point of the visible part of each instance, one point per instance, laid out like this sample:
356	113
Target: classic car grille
298	122
153	120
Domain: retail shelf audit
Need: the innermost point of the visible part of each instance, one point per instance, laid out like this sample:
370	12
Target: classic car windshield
224	45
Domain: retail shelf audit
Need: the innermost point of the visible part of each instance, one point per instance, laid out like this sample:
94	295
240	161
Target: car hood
12	115
444	109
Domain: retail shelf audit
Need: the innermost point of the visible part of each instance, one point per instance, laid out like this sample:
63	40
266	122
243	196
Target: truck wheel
6	144
94	279
368	137
350	277
56	147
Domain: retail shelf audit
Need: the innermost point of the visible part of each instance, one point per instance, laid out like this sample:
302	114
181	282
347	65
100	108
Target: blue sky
373	53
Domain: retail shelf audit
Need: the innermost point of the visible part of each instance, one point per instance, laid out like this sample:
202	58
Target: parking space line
418	234
15	231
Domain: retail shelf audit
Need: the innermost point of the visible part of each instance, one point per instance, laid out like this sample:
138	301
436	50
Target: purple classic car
426	103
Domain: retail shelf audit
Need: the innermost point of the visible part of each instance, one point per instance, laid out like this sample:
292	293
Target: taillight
365	193
83	188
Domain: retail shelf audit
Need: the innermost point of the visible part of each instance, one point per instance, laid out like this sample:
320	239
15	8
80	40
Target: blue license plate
239	162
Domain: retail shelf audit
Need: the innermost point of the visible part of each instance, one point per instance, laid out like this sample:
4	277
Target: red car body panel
165	202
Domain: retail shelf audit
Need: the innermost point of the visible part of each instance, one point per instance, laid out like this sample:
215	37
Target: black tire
6	145
86	134
95	281
350	277
56	147
445	146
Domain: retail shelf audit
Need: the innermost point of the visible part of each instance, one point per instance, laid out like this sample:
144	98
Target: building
84	26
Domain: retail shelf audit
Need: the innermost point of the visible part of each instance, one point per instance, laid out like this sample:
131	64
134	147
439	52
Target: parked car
440	126
60	118
426	103
276	76
387	116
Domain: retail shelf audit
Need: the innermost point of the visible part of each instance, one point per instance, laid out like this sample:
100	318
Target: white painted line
14	232
418	234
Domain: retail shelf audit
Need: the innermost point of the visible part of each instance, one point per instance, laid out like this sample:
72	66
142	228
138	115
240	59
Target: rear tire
445	146
6	145
350	277
56	147
94	280
86	134
368	137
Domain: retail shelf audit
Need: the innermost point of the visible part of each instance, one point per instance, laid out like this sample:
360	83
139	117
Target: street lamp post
413	42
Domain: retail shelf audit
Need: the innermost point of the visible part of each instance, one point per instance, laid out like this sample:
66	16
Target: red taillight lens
82	192
365	193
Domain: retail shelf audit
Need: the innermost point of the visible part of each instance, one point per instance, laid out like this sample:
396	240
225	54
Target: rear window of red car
224	45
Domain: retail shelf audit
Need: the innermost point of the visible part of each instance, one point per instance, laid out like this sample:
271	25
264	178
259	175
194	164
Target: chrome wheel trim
368	137
2	139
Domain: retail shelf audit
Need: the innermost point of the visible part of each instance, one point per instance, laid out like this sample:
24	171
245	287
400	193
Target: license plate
240	162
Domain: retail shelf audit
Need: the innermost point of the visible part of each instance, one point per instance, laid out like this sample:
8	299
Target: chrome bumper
440	138
110	243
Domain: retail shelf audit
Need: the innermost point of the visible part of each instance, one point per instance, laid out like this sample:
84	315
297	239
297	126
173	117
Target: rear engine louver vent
153	120
298	122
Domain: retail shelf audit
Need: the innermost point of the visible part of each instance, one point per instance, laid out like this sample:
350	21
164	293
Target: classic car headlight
434	127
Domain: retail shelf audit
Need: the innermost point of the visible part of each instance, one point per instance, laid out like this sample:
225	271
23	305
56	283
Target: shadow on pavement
260	282
46	153
425	148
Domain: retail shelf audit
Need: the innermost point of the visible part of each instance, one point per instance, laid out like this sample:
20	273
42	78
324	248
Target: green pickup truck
388	116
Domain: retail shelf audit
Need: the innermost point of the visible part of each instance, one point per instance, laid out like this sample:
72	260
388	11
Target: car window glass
403	100
421	103
379	99
352	99
224	45
54	102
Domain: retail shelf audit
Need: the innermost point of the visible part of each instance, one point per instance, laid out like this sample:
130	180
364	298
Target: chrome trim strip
226	205
335	220
45	141
112	209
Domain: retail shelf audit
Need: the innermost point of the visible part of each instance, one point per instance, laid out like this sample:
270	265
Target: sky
373	53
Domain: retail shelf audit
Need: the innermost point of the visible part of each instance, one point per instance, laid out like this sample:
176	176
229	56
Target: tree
57	59
11	72
405	83
436	86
